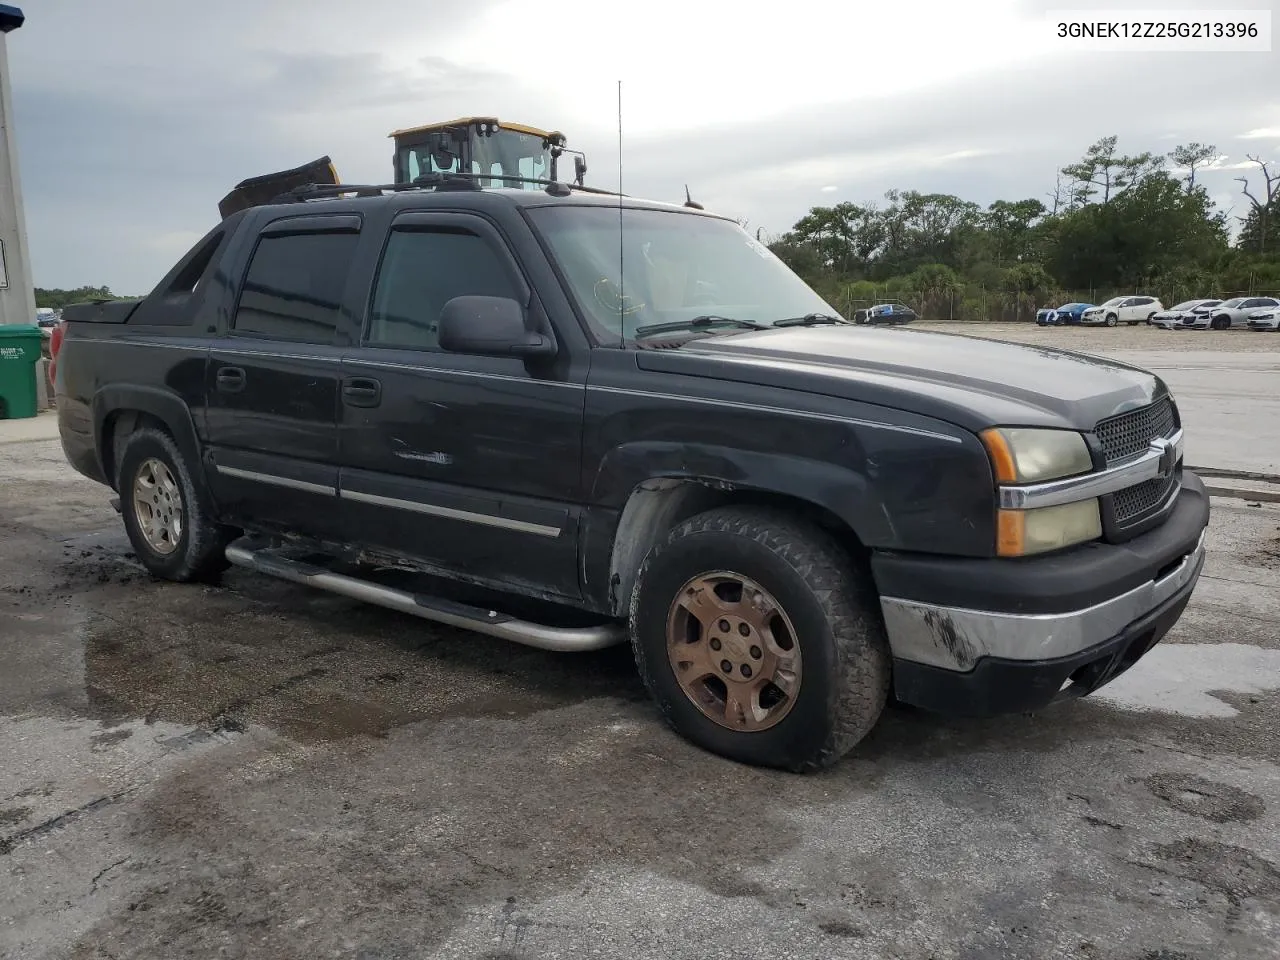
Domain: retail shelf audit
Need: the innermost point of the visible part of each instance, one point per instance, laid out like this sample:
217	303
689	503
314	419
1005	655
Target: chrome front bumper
956	638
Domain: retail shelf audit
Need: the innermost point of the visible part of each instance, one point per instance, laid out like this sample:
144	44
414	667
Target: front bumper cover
985	637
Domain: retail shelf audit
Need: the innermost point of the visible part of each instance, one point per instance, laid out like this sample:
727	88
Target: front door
273	378
468	463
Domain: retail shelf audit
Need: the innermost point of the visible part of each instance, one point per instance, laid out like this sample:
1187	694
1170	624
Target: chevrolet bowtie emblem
1168	456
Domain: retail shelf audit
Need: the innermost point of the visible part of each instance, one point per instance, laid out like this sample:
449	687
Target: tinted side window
293	289
421	271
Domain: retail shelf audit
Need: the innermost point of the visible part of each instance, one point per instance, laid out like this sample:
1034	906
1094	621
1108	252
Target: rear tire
823	652
168	516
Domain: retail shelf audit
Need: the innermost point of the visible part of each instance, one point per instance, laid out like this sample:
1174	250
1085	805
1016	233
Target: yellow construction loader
497	153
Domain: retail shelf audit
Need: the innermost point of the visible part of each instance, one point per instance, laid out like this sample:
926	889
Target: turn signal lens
1021	533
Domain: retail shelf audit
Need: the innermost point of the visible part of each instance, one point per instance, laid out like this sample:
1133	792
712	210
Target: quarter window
421	271
293	289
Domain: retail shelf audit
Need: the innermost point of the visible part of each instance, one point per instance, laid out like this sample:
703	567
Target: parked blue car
1067	314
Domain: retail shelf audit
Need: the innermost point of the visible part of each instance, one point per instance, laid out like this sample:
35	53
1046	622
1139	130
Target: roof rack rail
430	181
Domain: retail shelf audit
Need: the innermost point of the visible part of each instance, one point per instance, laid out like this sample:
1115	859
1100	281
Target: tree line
1113	223
57	299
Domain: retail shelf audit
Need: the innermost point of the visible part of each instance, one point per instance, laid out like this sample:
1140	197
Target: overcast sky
135	117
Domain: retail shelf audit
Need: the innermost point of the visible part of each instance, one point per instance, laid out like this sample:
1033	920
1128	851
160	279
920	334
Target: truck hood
973	382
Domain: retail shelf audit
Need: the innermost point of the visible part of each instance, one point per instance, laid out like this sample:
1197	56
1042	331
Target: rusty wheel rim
734	651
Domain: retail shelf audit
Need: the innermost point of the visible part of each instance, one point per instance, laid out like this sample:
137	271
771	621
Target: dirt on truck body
449	401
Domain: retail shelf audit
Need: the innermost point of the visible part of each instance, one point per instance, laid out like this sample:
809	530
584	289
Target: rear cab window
297	275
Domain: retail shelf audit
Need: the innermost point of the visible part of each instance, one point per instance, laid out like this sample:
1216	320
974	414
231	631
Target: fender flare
650	486
164	405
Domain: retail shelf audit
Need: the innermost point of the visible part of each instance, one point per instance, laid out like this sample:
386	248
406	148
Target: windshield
676	267
1115	301
1069	306
1234	302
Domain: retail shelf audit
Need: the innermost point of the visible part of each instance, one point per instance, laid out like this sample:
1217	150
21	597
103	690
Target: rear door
1128	310
469	463
272	381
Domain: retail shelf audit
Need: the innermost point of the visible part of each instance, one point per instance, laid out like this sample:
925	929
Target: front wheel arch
657	505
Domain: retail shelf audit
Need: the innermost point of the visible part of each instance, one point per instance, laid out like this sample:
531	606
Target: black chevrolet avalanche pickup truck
570	421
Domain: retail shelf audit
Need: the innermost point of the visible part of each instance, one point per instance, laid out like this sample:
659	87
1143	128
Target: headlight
1024	455
1023	532
1020	455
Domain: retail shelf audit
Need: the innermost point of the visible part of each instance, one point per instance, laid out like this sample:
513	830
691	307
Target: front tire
1112	319
169	519
759	640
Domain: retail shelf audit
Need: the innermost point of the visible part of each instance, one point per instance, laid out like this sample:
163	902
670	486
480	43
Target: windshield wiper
706	320
809	320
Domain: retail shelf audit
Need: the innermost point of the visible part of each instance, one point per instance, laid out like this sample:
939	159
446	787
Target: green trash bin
20	349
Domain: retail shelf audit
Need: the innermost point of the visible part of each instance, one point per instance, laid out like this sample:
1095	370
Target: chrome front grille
1128	435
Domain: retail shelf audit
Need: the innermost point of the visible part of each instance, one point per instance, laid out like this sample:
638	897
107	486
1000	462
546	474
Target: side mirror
579	168
490	326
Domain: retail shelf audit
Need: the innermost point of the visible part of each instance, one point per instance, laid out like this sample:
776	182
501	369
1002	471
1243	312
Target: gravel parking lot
1102	340
256	770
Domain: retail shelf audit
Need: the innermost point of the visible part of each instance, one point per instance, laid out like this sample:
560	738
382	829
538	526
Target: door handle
230	380
362	392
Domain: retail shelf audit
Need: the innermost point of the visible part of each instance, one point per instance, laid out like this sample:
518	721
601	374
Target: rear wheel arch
117	411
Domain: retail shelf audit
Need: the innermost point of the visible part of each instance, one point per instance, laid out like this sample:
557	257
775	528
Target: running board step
490	622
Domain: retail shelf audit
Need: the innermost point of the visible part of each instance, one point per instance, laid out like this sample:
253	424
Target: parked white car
1181	316
1265	320
1232	313
1130	310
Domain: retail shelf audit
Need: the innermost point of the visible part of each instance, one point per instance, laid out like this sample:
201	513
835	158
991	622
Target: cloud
135	118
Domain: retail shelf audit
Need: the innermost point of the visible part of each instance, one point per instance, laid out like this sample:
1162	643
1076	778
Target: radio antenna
622	281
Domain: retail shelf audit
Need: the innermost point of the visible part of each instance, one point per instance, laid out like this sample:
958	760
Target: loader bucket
263	189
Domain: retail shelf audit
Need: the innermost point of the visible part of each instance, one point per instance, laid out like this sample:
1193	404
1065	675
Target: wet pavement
257	770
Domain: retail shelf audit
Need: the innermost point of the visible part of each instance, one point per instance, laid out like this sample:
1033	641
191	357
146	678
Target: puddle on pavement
315	668
91	635
1181	678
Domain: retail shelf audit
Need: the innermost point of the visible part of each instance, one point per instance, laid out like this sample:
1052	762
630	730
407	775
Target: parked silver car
1182	315
1265	320
1232	313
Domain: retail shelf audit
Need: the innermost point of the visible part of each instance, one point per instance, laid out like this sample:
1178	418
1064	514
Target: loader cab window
513	154
507	153
438	154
